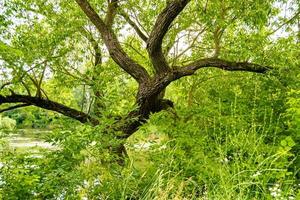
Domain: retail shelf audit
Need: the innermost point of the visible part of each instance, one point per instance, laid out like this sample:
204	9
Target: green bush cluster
7	123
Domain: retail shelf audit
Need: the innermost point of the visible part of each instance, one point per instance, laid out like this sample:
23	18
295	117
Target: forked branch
161	27
111	42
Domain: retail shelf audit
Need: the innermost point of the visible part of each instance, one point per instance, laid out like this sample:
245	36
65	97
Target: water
28	139
27	142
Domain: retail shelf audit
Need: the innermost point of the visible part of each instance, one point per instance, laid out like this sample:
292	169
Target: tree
44	48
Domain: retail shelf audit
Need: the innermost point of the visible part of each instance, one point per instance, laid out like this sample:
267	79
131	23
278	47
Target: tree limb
161	27
111	12
48	105
190	46
94	43
26	87
115	50
285	23
219	63
5	84
160	82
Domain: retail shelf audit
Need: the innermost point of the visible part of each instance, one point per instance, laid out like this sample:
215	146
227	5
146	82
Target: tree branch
49	105
190	46
26	87
134	26
160	82
111	12
219	63
285	23
95	45
5	84
115	50
161	27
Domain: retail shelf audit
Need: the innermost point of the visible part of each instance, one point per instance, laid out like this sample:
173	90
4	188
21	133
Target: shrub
7	123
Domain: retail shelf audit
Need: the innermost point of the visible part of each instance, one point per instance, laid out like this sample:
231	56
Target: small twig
285	23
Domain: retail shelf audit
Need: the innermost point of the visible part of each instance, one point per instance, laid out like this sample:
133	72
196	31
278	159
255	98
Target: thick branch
222	64
115	50
160	82
49	105
111	12
161	27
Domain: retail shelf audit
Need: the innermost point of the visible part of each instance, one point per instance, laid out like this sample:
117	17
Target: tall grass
237	162
226	156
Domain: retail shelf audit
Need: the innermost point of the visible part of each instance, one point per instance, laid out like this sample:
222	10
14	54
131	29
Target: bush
7	123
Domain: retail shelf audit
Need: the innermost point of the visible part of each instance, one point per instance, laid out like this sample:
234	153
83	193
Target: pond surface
33	140
28	139
27	142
